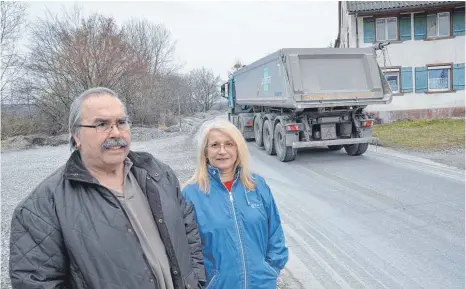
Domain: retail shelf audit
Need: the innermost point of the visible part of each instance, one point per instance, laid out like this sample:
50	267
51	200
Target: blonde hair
201	174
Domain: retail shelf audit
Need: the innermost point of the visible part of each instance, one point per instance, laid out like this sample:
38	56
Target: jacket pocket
274	272
213	280
190	281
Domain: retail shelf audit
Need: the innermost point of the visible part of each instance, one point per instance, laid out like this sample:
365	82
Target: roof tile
379	6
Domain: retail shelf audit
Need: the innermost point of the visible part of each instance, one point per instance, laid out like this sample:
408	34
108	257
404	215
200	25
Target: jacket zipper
238	232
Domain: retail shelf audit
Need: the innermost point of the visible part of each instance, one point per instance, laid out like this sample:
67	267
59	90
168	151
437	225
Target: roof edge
452	4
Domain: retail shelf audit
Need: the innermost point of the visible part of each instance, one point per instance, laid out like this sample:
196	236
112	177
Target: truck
308	97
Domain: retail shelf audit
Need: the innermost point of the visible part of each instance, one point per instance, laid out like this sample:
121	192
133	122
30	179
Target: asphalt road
381	220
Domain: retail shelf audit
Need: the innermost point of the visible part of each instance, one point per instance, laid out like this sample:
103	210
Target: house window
386	29
393	78
439	78
438	24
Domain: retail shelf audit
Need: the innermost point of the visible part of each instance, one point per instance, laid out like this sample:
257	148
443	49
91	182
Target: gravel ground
23	169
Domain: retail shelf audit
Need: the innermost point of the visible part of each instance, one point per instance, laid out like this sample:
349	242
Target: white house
424	62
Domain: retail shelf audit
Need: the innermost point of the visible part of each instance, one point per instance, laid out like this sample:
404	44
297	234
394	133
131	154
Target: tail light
367	123
294	127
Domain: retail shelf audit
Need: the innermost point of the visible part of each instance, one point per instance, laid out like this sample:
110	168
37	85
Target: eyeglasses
102	127
217	146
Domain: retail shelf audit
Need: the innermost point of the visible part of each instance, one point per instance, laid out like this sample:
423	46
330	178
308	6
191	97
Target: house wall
347	29
410	54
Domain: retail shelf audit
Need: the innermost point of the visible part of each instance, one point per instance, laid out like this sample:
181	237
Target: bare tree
12	22
153	45
188	104
154	49
204	88
70	54
237	65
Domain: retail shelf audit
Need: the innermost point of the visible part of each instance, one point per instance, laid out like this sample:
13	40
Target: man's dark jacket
71	232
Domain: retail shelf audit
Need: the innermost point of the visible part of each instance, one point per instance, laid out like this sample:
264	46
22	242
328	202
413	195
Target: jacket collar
214	173
75	169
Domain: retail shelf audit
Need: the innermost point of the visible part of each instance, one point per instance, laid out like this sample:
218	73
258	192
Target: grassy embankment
436	134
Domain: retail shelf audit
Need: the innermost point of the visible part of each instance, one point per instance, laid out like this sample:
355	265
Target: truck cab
227	90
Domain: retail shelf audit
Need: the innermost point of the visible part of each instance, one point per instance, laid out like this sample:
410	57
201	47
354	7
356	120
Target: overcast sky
215	34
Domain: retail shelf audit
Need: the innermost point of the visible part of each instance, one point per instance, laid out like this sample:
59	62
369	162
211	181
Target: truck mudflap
349	141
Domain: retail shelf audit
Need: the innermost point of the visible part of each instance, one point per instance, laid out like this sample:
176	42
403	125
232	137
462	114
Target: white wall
411	101
413	53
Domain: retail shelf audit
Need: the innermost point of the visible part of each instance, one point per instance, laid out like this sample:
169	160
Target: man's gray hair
76	109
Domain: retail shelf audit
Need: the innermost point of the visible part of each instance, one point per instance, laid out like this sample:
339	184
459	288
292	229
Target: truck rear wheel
243	129
356	149
268	138
362	148
284	153
258	132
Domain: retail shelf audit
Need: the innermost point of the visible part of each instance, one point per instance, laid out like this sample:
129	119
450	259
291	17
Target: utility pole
179	109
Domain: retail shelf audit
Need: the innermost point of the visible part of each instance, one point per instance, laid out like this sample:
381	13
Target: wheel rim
279	142
257	132
267	135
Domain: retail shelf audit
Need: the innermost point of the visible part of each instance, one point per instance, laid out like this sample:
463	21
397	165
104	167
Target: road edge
379	150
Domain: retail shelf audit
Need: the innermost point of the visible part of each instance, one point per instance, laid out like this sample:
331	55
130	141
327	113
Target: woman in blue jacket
243	241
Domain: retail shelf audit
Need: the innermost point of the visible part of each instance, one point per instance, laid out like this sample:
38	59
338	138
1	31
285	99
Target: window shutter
458	76
406	79
420	26
405	27
369	30
458	22
421	79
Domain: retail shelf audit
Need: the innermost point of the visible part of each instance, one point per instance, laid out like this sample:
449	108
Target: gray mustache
114	143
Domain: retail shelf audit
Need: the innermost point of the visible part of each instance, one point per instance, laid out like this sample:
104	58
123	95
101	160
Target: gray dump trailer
296	98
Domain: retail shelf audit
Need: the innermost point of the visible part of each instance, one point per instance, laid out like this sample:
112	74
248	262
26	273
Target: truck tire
267	133
351	149
284	153
242	128
362	148
335	147
258	136
356	149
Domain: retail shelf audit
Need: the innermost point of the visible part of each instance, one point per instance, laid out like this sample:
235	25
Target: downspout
337	41
357	30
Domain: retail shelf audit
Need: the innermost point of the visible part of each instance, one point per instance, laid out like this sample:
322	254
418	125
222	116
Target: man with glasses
110	217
